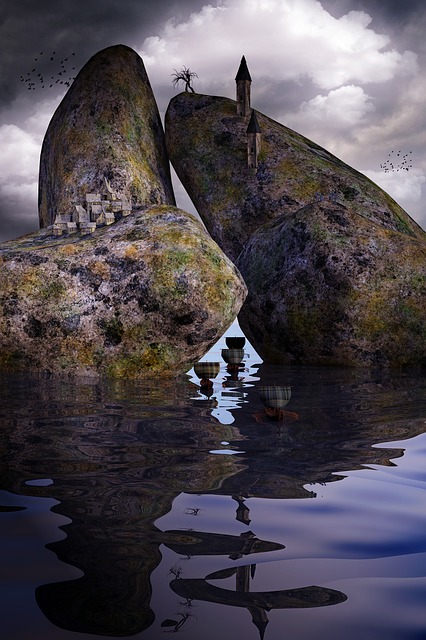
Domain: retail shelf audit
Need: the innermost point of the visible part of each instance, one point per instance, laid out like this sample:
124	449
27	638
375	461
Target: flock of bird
39	79
34	80
392	163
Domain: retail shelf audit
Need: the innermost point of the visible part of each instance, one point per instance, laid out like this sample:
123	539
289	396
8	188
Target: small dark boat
235	342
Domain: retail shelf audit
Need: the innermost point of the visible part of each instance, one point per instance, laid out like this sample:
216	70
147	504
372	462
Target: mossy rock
326	286
107	125
207	145
146	296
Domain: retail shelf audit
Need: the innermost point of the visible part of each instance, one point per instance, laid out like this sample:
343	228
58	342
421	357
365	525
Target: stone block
96	211
71	227
87	227
116	205
93	198
81	215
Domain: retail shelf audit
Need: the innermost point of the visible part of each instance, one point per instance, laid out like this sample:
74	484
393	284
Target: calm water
141	509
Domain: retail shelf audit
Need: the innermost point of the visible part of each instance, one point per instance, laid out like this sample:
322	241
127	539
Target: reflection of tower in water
258	604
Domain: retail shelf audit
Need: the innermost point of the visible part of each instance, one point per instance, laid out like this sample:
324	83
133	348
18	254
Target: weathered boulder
107	125
329	286
335	268
207	145
146	296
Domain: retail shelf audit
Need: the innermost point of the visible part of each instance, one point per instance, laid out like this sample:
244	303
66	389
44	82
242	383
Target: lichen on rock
326	286
335	268
207	145
107	126
146	296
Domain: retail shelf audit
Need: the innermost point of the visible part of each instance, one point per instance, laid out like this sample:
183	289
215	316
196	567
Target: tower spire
243	80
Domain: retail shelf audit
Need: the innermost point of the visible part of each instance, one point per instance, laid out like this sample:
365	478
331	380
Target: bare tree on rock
185	75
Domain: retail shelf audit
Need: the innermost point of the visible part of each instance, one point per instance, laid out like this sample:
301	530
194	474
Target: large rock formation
327	286
107	125
146	296
207	145
335	268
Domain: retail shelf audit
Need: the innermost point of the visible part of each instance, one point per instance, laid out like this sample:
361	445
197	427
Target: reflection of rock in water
200	543
112	598
257	603
117	461
119	454
304	597
342	414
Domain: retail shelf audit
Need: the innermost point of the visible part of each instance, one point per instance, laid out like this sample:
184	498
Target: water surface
139	509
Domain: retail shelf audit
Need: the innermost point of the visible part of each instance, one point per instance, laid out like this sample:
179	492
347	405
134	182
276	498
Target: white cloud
20	152
18	192
404	187
340	109
38	121
281	39
19	164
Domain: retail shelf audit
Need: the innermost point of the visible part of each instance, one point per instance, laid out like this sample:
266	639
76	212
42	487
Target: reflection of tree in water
118	459
257	603
184	616
199	543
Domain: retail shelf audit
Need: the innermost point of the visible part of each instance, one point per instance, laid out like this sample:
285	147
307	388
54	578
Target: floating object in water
233	356
274	396
206	369
235	342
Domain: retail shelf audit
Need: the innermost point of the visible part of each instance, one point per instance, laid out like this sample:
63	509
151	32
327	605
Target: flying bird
39	73
405	164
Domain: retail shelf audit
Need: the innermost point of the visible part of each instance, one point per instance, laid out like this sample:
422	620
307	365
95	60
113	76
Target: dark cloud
284	96
16	222
81	26
389	12
30	72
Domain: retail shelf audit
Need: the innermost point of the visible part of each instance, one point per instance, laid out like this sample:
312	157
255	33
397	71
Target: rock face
146	296
207	145
335	268
107	126
328	286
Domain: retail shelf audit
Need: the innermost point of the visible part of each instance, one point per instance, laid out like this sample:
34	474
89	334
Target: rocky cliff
335	268
328	286
207	145
146	296
107	125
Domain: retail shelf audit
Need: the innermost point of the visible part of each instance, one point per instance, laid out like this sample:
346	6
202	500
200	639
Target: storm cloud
346	73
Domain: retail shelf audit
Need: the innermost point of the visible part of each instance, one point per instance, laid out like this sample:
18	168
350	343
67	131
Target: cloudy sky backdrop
349	74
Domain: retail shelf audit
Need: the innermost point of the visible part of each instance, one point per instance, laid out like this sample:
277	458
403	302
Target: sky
348	74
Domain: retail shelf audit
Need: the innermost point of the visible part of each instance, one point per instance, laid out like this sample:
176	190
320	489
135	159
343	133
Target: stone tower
243	81
254	136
